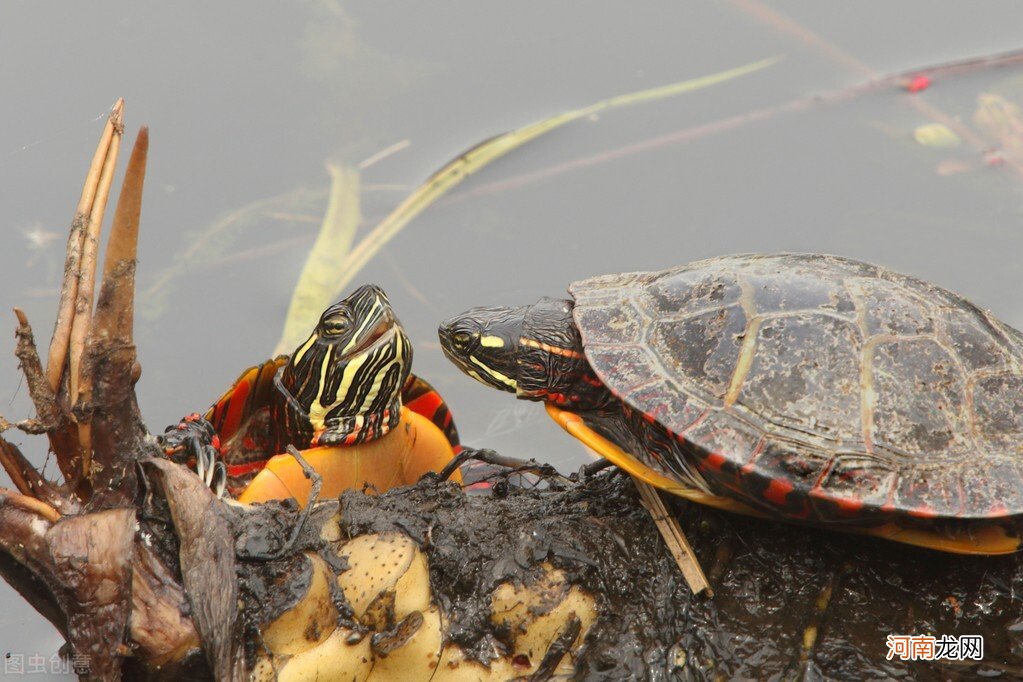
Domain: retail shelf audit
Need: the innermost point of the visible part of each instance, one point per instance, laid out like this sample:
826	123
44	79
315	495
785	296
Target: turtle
346	396
808	388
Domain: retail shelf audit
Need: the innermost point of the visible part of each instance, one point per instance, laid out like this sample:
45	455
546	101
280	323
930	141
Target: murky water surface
247	101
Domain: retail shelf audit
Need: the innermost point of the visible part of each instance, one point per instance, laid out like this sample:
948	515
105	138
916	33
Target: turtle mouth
386	325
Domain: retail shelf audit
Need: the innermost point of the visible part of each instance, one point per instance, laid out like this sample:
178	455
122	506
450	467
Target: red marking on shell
923	512
248	443
777	491
846	505
715	461
918	83
215	442
999	509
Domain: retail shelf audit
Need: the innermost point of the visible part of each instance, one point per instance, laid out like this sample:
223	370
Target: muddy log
149	576
788	601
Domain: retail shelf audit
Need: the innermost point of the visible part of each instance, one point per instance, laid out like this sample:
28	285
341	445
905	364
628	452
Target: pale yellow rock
387	585
333	660
417	656
386	572
512	605
455	667
331	530
263	670
412	592
310	622
538	614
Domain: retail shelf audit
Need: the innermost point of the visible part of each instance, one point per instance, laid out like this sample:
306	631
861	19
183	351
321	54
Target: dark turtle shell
818	387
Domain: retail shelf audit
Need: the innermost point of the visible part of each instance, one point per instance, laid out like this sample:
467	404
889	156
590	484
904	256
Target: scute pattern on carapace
818	386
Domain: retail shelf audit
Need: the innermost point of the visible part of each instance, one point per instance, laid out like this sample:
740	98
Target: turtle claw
194	441
218	481
211	470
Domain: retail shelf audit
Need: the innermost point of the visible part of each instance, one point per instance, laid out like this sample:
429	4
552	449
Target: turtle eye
338	324
461	340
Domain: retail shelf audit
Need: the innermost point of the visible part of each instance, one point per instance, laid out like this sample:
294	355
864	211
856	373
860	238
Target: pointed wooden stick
117	321
72	265
110	339
673	536
90	249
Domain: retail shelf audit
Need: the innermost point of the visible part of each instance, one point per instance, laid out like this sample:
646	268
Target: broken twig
673	536
72	265
87	279
53	420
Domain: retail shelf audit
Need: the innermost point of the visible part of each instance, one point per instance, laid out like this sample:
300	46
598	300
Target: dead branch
52	417
30	482
72	264
207	564
92	561
106	396
24	555
87	281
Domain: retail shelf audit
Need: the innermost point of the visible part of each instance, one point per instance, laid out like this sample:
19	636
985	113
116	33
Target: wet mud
790	602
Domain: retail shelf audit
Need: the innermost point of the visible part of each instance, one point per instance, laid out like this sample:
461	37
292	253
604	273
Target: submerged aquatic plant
334	261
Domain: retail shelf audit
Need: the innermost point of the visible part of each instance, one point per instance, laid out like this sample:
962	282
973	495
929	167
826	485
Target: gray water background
248	100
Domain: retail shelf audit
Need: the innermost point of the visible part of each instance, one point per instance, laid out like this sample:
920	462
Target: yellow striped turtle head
348	375
533	351
483	343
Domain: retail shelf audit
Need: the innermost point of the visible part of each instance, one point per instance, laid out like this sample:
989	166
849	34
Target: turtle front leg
194	442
